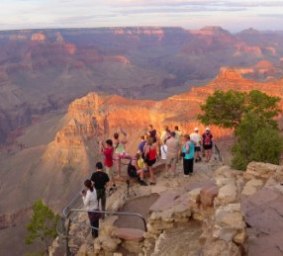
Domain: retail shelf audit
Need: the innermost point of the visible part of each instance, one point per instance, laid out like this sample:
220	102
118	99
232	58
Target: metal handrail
133	214
218	152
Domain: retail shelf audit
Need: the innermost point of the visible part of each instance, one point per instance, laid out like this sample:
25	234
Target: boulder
108	244
207	195
227	194
220	248
252	186
261	170
128	234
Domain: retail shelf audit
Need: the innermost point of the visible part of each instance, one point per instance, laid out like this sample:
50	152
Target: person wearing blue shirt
188	153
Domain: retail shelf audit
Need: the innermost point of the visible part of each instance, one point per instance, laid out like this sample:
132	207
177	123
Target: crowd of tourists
170	147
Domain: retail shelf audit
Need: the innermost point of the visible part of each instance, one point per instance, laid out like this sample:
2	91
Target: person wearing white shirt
91	204
196	139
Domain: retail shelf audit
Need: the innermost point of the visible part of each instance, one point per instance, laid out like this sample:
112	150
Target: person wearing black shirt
152	133
100	180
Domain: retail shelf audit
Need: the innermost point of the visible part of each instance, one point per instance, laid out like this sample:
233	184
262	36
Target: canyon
62	151
44	70
63	91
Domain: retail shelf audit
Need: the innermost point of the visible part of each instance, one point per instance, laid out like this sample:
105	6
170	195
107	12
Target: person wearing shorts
196	139
150	152
108	151
207	143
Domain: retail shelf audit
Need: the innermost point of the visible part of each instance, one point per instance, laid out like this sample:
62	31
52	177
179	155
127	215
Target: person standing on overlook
108	151
152	133
173	148
196	138
91	204
100	180
120	150
207	143
150	154
188	152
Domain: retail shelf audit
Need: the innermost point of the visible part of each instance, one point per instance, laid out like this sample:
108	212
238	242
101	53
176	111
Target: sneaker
142	183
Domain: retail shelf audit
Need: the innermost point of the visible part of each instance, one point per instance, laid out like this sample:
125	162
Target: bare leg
119	166
152	176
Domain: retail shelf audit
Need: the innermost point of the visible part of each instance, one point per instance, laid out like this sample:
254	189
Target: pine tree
42	226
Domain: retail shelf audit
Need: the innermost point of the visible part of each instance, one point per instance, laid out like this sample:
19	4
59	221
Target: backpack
207	139
132	170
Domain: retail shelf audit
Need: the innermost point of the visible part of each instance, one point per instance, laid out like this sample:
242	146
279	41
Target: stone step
128	234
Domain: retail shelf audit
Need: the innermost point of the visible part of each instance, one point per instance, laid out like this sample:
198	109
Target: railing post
68	253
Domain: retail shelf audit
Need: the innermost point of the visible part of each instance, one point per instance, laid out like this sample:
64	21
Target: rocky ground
216	212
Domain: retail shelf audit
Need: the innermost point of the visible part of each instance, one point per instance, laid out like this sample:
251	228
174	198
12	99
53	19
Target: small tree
42	226
251	115
257	140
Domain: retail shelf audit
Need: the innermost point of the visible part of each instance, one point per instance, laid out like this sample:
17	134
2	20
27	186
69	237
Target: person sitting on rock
151	153
100	180
91	204
136	169
207	143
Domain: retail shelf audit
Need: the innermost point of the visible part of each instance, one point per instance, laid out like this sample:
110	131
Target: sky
234	15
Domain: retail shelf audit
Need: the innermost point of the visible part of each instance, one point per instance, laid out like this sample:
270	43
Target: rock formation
96	117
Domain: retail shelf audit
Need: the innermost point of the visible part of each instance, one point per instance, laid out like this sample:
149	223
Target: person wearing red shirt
108	151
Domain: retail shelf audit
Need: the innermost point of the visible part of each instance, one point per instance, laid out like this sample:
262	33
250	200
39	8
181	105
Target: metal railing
66	221
218	153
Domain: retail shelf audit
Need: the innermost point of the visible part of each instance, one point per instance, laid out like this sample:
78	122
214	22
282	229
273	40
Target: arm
86	198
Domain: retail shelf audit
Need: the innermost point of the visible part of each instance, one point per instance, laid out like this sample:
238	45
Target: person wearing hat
207	143
196	139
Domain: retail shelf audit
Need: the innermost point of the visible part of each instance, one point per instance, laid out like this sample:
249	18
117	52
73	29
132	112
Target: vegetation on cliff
42	226
252	116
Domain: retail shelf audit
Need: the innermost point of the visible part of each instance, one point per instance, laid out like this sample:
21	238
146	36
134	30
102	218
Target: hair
116	135
176	127
109	142
150	126
167	128
99	166
173	134
142	137
138	155
149	141
187	137
88	184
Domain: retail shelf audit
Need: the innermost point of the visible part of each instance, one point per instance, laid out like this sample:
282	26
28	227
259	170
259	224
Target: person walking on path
207	143
150	153
173	148
91	204
196	138
100	180
188	152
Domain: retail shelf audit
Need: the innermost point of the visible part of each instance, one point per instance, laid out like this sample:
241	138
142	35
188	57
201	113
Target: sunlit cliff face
94	117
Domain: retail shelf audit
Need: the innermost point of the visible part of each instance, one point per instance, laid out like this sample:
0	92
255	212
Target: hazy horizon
232	15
